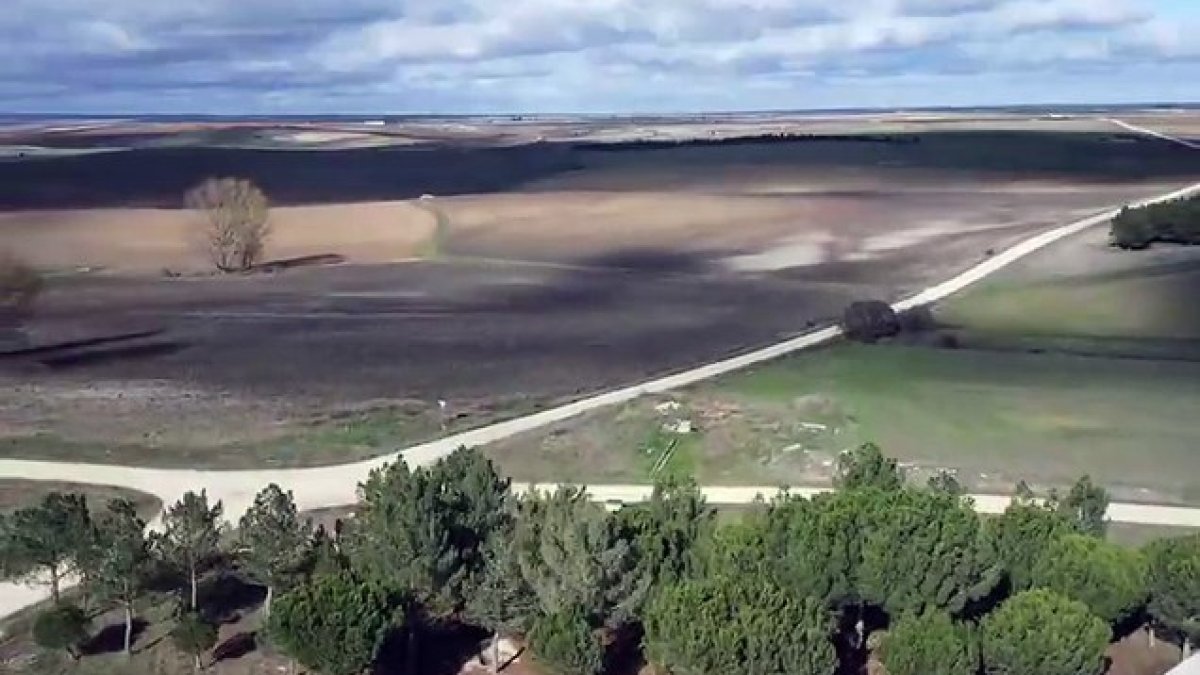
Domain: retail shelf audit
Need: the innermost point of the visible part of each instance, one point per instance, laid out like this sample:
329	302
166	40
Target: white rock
679	426
666	407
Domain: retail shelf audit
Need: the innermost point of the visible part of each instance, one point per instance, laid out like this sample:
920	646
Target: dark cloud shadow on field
602	281
555	331
159	177
1169	288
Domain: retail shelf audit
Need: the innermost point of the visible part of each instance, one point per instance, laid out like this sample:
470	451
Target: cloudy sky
309	56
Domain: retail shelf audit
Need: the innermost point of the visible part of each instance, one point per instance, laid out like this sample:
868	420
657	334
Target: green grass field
337	438
1073	362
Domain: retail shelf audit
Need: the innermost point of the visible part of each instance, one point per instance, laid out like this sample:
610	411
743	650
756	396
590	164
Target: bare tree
19	287
235	221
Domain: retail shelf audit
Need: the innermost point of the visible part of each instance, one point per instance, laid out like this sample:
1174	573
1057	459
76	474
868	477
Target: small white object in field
666	407
679	426
426	196
441	405
813	426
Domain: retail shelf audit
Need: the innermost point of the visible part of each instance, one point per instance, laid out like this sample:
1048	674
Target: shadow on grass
441	652
59	347
124	353
111	638
225	598
237	646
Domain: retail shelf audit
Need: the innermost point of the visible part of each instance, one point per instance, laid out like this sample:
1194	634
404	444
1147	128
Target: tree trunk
410	653
267	602
54	594
128	628
495	665
1151	637
192	570
199	664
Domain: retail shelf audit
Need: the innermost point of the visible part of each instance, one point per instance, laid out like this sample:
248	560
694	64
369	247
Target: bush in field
235	221
19	287
61	627
1173	222
870	320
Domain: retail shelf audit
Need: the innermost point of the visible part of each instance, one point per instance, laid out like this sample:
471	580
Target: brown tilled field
556	271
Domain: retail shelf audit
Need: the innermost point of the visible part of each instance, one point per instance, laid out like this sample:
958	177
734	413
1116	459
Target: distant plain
548	260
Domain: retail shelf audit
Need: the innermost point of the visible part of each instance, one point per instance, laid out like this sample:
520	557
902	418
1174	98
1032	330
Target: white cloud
549	53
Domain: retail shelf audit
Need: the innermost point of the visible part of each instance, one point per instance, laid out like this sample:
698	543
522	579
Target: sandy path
334	486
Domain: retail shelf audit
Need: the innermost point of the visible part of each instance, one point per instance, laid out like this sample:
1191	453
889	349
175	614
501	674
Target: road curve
1150	132
324	487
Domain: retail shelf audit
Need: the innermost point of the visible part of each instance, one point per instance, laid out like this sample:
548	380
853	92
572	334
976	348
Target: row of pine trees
909	575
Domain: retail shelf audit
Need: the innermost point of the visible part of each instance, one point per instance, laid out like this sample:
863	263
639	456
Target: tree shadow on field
225	598
111	638
237	646
92	357
441	652
85	343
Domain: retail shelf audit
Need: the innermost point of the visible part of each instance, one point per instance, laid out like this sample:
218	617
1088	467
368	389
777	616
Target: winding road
325	487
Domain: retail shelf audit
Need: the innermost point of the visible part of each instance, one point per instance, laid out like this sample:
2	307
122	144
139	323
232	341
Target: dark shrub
1173	222
566	642
63	627
870	320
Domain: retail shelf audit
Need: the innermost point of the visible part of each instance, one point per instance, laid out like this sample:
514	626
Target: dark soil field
566	271
159	176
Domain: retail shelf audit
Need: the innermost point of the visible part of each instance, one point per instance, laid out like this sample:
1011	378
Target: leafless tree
235	221
19	287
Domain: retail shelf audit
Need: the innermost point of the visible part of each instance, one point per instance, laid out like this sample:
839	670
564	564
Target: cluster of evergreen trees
798	586
1171	222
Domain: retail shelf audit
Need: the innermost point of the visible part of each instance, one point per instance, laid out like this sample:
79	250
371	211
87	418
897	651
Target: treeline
756	139
1171	222
799	586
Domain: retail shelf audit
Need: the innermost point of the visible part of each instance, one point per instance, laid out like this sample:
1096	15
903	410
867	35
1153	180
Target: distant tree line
908	574
1171	222
755	139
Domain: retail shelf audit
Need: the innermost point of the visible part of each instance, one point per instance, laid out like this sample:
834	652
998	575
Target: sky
481	56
